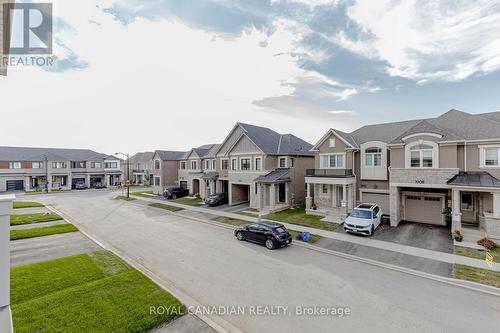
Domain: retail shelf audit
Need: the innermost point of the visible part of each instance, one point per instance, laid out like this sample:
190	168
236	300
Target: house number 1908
419	181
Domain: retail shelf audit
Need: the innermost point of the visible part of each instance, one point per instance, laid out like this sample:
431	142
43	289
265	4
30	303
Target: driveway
421	235
210	266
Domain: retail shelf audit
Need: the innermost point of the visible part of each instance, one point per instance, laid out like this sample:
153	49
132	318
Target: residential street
209	264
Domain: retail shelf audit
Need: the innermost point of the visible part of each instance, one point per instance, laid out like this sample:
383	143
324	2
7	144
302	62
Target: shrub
487	243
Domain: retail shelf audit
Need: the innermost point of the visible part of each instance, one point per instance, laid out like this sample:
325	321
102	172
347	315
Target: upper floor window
258	163
37	165
292	162
157	164
78	165
282	162
59	165
332	161
224	164
214	164
373	156
245	164
183	165
207	164
95	165
194	165
111	165
491	155
421	156
234	165
14	165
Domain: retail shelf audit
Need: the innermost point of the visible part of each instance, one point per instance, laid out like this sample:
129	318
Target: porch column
69	180
456	222
272	197
344	196
87	180
496	204
308	197
212	186
49	182
259	196
5	313
287	194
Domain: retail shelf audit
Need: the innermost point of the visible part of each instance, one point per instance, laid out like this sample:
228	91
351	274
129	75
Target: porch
273	191
208	184
476	205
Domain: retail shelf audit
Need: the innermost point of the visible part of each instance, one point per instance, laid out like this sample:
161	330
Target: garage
15	185
240	193
424	208
381	199
75	181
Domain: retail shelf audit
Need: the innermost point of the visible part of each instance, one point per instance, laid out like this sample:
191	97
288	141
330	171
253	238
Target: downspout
465	155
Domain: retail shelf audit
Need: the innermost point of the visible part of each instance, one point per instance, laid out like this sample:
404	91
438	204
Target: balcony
329	173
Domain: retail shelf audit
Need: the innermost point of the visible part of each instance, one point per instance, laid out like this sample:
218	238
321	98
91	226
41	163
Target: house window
194	165
282	162
224	164
207	164
111	165
36	165
245	164
234	165
183	165
467	201
491	156
157	165
14	165
421	156
331	143
95	165
59	165
324	189
292	162
373	157
78	165
157	181
258	163
214	164
332	161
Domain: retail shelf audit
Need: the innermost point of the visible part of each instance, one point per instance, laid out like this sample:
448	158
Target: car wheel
372	230
239	236
174	197
269	243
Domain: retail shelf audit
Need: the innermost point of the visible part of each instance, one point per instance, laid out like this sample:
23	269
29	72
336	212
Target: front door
282	192
467	207
339	194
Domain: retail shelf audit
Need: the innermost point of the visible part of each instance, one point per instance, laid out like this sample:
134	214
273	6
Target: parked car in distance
270	234
99	185
173	192
80	186
363	219
217	199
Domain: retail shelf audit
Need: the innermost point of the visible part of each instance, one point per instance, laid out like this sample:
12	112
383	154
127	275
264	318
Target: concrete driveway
425	236
210	266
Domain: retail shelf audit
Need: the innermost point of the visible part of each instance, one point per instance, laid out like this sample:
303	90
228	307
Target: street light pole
128	171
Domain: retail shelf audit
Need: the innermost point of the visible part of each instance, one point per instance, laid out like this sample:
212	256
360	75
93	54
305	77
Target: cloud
340	112
309	3
427	40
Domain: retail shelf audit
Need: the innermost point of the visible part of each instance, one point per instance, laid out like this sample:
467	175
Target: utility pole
128	171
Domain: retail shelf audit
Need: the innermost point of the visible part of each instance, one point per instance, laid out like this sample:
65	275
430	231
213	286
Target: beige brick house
414	170
166	169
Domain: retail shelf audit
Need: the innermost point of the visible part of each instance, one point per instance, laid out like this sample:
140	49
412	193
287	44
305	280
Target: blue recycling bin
306	236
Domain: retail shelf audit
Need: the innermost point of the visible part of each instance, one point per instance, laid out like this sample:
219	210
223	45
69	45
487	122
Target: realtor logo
31	25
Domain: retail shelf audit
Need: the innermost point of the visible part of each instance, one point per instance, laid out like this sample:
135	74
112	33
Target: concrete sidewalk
364	241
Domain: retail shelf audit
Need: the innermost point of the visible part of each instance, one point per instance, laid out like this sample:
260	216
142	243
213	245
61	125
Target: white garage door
424	209
380	199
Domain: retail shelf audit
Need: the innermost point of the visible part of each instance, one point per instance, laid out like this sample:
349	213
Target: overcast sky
140	75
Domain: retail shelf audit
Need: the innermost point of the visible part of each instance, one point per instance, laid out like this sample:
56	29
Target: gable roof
274	143
169	155
278	175
452	125
143	157
475	179
345	137
52	154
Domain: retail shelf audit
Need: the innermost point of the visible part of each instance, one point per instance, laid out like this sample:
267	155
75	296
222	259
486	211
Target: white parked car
363	219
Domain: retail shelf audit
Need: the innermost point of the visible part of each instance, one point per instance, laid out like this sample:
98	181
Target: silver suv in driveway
364	219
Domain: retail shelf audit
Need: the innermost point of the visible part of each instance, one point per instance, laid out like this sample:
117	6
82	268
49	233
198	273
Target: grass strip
165	206
33	218
484	276
39	232
26	204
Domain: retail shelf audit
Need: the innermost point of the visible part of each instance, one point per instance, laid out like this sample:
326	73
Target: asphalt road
208	264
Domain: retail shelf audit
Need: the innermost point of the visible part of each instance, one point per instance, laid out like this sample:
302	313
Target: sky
139	75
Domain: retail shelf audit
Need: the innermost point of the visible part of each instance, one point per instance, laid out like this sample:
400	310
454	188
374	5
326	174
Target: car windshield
280	230
213	196
361	213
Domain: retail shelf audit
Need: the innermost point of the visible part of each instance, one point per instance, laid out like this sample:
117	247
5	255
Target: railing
335	173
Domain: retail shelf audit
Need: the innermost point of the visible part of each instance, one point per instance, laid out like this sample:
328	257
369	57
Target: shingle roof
424	126
203	150
474	179
274	143
168	155
278	175
39	154
143	157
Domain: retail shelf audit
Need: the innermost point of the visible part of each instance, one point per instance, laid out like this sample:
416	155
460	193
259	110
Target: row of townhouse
141	168
27	169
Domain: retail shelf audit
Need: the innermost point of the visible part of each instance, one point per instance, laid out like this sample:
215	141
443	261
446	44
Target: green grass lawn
124	197
86	293
165	206
33	218
26	204
478	254
190	201
45	231
237	222
298	216
484	276
144	194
